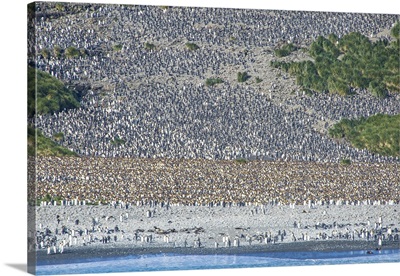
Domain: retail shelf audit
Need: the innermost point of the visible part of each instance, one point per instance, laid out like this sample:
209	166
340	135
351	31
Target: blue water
165	262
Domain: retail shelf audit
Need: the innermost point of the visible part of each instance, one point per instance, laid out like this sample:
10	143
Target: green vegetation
45	146
117	47
352	61
308	92
285	50
258	80
213	81
60	7
149	46
395	31
242	76
51	94
241	161
379	133
72	52
345	162
57	51
191	46
49	198
58	136
46	94
45	53
117	141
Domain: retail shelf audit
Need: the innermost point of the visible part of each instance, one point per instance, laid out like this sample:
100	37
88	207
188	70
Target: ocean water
168	262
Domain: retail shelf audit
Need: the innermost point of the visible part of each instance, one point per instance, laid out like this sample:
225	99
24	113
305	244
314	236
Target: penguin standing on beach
237	242
379	243
197	243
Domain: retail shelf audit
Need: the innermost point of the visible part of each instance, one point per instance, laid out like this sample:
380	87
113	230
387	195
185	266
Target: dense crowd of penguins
150	133
227	122
157	105
199	182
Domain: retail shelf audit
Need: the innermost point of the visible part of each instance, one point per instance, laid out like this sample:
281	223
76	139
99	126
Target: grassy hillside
352	61
51	94
378	133
45	146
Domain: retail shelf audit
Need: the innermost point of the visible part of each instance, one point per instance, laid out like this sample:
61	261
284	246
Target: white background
13	130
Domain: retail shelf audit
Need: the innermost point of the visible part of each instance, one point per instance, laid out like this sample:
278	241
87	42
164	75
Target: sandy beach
100	231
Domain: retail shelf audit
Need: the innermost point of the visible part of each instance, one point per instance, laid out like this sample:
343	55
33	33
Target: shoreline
76	254
82	233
